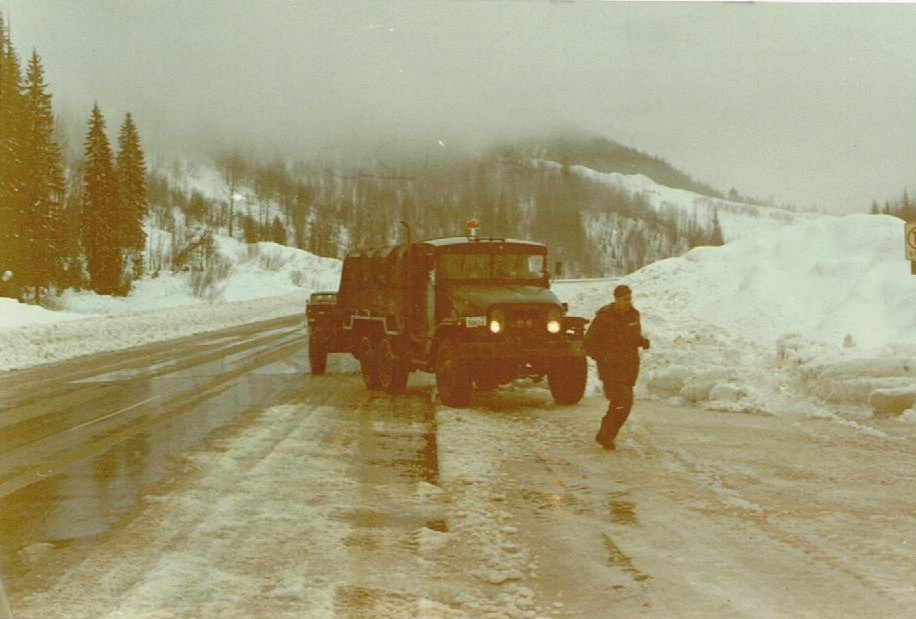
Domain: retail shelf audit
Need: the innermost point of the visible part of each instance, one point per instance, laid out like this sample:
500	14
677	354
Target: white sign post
910	240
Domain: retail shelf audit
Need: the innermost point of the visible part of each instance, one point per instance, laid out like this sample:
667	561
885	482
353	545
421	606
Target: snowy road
342	503
58	414
80	439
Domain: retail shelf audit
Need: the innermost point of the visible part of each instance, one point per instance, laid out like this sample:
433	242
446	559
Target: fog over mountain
807	104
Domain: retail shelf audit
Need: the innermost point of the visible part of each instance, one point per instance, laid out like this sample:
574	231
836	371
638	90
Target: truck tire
566	379
318	354
368	363
453	376
392	366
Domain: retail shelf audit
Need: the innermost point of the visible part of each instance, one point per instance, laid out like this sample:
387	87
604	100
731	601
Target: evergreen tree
571	239
132	194
198	208
232	168
483	207
72	275
44	237
12	143
251	231
409	213
101	220
907	207
544	218
501	226
716	238
277	231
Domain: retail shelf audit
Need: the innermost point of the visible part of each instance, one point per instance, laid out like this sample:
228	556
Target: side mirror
558	269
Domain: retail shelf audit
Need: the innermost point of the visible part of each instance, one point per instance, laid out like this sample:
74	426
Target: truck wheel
453	376
392	366
318	354
368	364
566	379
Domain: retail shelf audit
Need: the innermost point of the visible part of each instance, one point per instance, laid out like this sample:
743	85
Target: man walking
613	340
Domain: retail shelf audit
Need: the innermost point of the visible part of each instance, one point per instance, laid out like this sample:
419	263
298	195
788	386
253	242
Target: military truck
324	320
477	312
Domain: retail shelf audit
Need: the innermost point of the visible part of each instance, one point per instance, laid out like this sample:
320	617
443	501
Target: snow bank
823	310
26	346
893	401
834	281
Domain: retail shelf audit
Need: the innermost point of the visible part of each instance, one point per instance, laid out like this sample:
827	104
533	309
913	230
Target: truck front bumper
521	353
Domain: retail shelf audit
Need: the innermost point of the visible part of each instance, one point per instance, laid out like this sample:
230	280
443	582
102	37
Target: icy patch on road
245	529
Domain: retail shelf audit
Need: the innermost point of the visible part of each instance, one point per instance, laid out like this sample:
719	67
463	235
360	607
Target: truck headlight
497	321
554	321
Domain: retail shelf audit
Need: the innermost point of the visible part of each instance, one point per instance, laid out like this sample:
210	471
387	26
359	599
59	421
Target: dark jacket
613	340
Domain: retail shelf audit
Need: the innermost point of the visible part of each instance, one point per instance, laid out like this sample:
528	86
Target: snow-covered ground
809	317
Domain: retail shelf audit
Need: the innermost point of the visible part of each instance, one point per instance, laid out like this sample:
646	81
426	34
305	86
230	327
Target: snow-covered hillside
736	219
807	314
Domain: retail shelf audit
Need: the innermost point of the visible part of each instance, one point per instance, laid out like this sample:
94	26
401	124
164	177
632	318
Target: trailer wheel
566	379
318	353
392	366
453	376
368	363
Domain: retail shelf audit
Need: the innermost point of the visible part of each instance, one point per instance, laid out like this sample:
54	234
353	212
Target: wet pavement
347	503
80	440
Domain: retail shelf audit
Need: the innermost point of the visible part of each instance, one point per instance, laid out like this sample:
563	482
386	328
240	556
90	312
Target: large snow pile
806	317
797	319
834	281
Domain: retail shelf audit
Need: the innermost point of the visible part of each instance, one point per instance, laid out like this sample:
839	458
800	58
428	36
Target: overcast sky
809	104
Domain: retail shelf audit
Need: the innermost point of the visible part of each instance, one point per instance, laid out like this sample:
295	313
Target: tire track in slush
822	547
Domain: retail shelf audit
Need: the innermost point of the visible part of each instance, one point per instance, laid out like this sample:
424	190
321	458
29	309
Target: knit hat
622	290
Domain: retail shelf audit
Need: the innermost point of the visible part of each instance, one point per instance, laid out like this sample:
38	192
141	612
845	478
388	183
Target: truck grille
526	323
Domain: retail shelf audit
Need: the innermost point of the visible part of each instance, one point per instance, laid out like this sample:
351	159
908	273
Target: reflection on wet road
79	439
622	509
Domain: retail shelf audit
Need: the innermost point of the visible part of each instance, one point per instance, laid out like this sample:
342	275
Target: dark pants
620	402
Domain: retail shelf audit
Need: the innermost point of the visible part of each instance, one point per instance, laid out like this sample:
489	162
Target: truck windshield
502	267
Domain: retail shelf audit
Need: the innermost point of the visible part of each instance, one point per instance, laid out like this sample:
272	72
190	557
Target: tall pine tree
907	207
12	143
134	206
101	220
43	241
